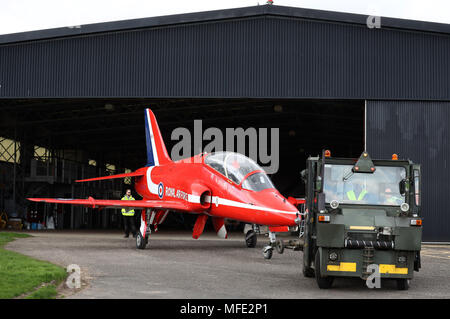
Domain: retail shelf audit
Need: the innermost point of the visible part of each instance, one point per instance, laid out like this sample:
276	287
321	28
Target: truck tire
322	282
141	242
402	284
308	272
417	263
251	239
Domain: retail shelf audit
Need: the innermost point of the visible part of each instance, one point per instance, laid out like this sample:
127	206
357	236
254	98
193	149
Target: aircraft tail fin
156	149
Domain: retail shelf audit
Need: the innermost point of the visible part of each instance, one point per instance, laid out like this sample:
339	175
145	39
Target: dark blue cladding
254	52
419	131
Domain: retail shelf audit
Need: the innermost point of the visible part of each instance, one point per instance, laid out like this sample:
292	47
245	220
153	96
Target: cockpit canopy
240	169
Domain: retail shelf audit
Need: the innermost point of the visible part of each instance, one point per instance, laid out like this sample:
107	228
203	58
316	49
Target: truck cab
361	212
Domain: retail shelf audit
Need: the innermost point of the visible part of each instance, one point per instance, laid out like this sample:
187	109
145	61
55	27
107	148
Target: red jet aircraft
221	185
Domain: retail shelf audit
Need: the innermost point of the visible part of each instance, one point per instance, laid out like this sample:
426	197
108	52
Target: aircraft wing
106	203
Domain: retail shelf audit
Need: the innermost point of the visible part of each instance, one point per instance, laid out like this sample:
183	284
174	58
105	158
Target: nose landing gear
268	250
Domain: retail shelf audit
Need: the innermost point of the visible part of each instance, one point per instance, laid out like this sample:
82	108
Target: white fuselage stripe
227	202
152	187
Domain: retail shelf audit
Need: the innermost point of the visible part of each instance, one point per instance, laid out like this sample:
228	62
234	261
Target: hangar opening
47	144
71	95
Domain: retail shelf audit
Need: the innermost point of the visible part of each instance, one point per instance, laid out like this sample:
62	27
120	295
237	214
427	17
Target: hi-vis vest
129	212
351	195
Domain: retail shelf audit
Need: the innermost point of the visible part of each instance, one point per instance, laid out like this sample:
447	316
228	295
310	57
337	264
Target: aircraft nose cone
276	207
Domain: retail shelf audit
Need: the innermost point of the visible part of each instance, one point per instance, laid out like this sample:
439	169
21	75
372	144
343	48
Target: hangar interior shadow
57	139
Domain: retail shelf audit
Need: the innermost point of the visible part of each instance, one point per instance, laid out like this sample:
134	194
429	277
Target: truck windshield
378	188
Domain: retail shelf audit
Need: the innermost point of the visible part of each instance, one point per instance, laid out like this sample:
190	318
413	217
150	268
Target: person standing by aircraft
128	216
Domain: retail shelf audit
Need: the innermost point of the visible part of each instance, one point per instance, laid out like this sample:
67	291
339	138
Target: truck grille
376	244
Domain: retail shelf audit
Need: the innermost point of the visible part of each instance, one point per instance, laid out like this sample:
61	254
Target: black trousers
128	222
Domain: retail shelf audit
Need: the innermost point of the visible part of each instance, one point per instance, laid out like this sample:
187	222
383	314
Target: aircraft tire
279	246
140	241
267	253
251	239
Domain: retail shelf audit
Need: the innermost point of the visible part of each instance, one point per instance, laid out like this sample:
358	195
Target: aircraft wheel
250	239
402	284
322	282
280	246
140	241
267	252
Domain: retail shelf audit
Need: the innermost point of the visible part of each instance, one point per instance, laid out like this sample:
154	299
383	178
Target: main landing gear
144	231
251	235
141	241
251	239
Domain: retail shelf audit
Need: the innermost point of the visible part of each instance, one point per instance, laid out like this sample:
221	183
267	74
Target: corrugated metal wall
262	56
419	131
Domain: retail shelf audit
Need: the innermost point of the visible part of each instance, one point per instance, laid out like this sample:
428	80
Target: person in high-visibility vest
128	216
392	199
361	196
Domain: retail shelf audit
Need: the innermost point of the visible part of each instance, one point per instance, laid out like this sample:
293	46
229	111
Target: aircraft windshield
379	188
239	169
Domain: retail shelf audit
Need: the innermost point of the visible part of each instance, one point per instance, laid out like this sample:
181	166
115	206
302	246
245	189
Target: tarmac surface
176	266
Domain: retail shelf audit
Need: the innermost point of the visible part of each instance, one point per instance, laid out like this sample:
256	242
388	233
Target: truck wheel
308	272
402	284
140	241
250	239
322	282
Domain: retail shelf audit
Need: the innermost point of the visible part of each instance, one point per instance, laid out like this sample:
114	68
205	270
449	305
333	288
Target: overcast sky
26	15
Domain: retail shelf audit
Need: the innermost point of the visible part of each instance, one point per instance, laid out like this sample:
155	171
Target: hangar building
72	99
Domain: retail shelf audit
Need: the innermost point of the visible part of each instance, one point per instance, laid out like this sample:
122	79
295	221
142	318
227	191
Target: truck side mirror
321	202
304	175
402	187
319	184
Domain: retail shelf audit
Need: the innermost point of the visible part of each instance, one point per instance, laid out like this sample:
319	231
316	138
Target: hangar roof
245	12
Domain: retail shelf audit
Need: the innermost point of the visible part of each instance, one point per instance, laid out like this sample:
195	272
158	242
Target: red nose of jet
275	208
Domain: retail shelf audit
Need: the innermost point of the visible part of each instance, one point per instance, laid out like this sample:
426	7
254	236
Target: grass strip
46	292
21	274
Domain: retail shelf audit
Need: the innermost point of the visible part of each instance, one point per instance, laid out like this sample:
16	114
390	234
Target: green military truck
361	212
